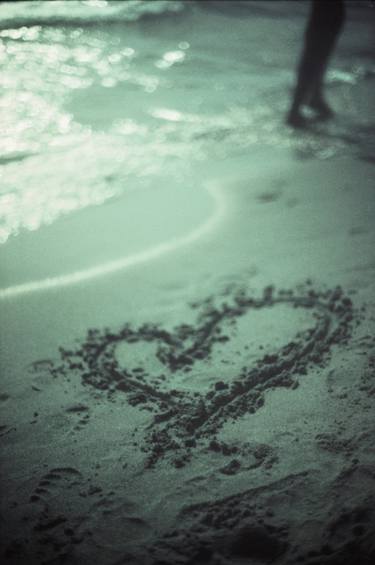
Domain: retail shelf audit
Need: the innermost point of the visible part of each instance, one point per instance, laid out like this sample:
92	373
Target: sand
211	404
187	290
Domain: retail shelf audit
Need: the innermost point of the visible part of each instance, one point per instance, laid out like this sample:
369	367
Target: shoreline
131	260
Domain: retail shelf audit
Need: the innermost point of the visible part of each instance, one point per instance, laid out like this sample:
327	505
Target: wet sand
211	403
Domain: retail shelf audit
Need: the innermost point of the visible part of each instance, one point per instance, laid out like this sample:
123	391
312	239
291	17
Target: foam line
125	262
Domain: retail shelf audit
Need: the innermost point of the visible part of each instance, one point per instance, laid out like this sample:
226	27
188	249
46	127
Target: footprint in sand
240	526
80	412
57	528
110	511
55	482
51	525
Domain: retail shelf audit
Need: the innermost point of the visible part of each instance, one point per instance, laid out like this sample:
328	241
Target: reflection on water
90	111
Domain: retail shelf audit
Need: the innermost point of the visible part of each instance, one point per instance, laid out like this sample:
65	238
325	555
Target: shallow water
100	98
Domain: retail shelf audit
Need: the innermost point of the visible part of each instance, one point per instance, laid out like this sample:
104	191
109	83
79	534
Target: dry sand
210	401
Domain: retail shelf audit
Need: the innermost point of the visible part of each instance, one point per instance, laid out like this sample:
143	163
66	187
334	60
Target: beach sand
212	404
187	365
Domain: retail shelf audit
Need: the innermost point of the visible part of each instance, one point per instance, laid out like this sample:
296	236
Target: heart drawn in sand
169	372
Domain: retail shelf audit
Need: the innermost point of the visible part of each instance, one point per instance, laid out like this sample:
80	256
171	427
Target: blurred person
323	28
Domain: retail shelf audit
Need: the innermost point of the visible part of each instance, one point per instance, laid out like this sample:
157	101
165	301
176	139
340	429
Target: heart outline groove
181	420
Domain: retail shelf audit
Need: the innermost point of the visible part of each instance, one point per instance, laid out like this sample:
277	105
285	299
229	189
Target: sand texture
204	417
187	291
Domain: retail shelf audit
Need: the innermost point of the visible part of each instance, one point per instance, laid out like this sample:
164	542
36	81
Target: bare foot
296	120
320	106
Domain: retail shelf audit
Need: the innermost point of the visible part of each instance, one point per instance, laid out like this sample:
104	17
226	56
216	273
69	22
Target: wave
95	12
83	12
219	210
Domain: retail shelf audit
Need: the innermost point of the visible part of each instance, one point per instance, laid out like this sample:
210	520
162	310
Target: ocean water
103	97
